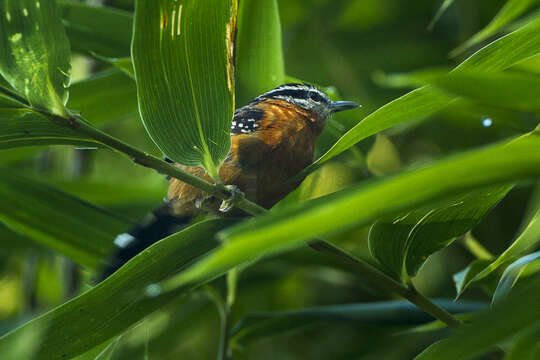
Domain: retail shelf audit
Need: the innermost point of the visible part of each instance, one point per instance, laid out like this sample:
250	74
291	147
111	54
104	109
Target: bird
272	139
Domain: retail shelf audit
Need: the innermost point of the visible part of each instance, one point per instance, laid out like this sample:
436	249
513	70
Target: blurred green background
349	45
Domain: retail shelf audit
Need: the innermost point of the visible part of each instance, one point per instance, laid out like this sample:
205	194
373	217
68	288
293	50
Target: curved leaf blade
517	313
182	55
403	243
510	11
120	301
35	53
425	101
259	55
289	228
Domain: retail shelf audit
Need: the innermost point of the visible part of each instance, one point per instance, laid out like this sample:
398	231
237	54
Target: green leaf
72	227
462	278
34	53
513	315
120	301
421	103
259	55
513	273
528	239
24	127
105	97
182	53
102	30
510	11
364	203
526	345
390	313
514	91
444	6
404	242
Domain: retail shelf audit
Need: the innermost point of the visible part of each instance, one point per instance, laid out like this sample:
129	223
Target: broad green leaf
403	243
74	228
423	102
34	53
526	345
364	203
259	54
101	30
527	240
444	6
515	314
105	97
24	127
510	11
390	313
120	301
521	267
182	55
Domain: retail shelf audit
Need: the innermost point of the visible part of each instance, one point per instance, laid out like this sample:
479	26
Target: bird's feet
236	194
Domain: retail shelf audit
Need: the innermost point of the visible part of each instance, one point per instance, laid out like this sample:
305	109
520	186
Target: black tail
152	228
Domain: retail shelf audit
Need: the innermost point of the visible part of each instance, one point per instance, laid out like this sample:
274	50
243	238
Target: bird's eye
316	97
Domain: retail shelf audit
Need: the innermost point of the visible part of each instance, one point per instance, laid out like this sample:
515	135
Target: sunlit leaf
404	242
35	53
182	54
259	55
120	301
421	103
23	127
391	313
72	227
510	11
96	29
518	312
360	205
462	278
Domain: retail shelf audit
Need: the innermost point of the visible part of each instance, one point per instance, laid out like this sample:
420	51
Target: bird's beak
337	106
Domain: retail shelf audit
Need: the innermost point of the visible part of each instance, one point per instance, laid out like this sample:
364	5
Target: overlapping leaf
421	103
120	301
404	242
35	53
363	204
182	54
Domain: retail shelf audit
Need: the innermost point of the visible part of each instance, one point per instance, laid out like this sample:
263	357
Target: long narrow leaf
73	227
390	313
510	11
120	301
182	54
363	204
423	102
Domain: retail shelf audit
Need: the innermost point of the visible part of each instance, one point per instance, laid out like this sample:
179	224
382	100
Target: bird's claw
236	194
